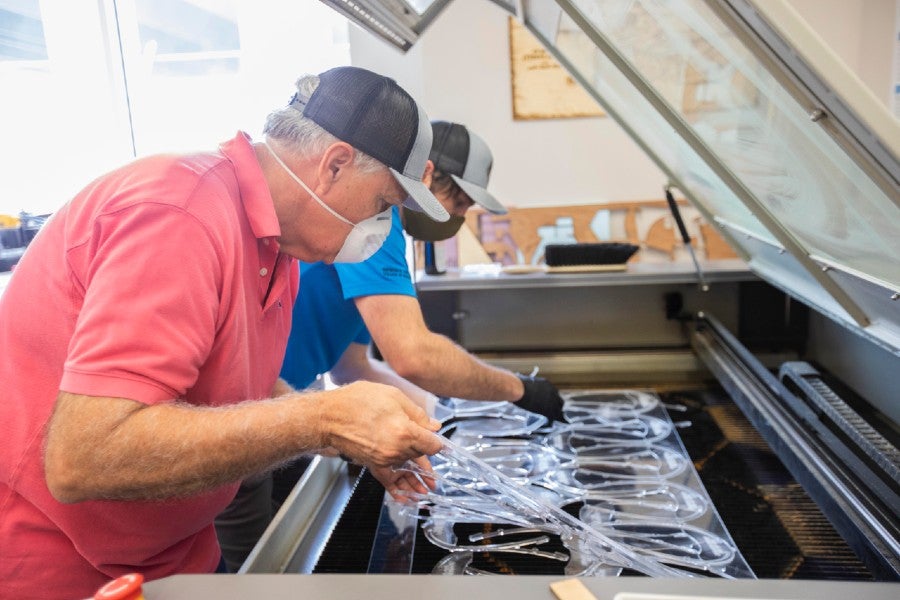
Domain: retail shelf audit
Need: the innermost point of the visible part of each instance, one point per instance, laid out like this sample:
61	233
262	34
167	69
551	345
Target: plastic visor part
487	418
440	533
671	543
637	431
599	406
533	461
531	510
459	563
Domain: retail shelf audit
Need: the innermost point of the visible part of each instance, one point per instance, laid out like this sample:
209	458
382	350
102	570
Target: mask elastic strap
305	187
299	101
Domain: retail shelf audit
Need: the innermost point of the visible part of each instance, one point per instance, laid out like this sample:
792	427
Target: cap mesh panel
450	149
368	111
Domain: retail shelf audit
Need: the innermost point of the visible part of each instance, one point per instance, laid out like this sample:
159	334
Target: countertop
634	274
523	587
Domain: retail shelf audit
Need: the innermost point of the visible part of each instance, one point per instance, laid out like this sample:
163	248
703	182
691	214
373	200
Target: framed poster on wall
541	87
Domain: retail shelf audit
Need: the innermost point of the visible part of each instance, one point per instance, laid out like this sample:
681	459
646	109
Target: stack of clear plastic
496	419
468	488
644	507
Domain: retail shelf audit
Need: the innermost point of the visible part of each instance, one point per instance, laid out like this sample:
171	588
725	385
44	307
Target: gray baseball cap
467	159
374	114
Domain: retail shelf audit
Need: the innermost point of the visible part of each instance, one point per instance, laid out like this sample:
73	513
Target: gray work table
572	311
523	587
639	273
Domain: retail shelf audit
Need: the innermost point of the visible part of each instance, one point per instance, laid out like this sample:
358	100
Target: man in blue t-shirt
342	307
327	323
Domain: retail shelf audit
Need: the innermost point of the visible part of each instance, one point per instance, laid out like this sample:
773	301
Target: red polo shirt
159	281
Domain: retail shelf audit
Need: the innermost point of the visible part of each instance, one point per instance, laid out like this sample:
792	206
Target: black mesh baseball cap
374	114
467	159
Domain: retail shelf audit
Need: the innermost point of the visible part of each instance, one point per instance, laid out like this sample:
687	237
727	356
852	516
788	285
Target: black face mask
420	227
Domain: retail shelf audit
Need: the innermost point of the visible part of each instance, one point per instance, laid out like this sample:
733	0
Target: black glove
541	397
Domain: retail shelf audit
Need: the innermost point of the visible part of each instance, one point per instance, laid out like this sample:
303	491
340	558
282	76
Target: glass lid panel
766	138
420	6
646	122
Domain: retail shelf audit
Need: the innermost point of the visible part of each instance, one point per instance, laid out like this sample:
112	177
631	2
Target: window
89	85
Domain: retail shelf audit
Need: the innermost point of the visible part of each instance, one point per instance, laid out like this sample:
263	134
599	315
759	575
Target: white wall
861	32
459	71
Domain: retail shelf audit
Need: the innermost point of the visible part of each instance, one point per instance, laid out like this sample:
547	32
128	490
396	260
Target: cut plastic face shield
521	506
477	418
586	407
440	533
635	431
530	461
670	543
643	505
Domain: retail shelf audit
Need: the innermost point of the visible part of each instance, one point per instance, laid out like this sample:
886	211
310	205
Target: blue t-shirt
325	318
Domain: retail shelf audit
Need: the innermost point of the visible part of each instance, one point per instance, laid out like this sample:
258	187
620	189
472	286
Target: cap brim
423	228
420	197
480	196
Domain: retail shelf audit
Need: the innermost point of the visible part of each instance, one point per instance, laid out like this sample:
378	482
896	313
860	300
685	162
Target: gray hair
303	136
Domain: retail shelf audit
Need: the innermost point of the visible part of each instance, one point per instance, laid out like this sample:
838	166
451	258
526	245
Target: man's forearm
356	364
444	368
382	373
430	360
171	449
115	448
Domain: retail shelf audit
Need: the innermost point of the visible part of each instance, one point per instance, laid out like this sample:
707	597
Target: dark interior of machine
778	528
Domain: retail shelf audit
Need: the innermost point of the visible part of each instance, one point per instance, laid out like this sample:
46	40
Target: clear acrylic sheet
642	500
624	461
460	563
620	509
540	460
516	504
477	417
677	496
583	407
581	438
440	533
671	543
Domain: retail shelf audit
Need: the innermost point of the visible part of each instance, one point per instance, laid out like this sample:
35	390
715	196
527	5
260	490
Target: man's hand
101	448
404	481
377	425
541	397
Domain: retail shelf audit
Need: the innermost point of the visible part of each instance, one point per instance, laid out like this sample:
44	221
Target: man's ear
334	164
427	178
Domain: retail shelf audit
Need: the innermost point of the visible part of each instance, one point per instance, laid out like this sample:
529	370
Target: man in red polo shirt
144	330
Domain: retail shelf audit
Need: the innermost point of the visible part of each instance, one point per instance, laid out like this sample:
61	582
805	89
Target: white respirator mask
366	237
